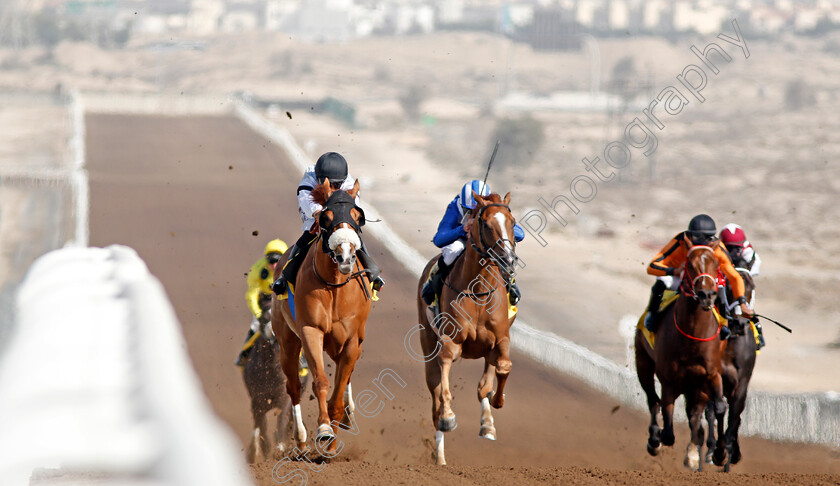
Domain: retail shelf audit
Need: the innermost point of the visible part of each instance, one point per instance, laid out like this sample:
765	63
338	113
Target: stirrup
280	286
378	283
649	322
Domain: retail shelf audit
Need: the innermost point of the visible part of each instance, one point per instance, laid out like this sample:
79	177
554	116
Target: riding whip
775	322
493	156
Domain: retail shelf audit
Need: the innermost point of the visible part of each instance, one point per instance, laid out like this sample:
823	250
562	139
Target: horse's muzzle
345	265
706	299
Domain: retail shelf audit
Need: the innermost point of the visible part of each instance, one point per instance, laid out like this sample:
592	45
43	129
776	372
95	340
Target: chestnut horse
686	359
473	320
332	303
738	364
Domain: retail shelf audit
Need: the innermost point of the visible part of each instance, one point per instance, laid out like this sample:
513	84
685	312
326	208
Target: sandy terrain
196	236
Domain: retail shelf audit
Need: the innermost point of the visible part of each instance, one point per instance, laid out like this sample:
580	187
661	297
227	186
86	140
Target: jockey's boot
297	253
369	264
243	355
761	342
434	285
656	293
725	332
514	295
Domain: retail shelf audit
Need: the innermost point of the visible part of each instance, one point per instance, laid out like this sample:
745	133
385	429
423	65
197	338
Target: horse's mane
494	198
319	195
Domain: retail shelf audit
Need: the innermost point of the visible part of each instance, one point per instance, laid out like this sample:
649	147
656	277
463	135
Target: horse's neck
471	267
326	267
688	310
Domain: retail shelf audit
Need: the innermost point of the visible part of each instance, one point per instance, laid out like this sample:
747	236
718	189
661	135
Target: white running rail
96	383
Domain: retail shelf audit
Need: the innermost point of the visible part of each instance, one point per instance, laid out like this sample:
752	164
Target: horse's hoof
735	454
692	460
325	432
708	458
653	450
447	424
667	438
719	457
487	432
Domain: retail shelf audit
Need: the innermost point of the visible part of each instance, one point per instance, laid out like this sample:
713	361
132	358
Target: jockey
744	256
740	250
451	238
667	266
330	166
258	295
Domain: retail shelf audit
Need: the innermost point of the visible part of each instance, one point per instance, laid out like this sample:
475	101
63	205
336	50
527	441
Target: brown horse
473	321
332	303
265	382
738	364
686	359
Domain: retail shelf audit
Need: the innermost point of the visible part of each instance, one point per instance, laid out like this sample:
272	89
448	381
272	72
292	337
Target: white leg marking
439	458
300	430
348	398
692	457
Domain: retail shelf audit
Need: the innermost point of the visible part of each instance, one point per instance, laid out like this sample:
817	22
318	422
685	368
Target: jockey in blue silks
451	238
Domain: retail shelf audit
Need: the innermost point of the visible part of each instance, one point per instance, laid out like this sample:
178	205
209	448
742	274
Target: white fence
96	383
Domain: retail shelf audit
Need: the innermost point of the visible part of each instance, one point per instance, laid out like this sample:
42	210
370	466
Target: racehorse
738	364
686	359
332	303
473	321
263	380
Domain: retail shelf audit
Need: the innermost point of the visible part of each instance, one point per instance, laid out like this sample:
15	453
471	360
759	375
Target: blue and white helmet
467	201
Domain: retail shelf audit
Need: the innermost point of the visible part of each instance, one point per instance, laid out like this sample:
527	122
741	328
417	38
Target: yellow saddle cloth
668	298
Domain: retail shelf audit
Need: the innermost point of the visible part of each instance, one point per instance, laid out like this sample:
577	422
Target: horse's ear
479	199
355	189
327	188
506	200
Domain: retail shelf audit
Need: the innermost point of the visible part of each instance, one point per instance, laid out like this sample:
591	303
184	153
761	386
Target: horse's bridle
486	251
340	203
687	284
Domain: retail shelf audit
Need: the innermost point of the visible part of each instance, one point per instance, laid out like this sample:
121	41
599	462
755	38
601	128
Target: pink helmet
732	234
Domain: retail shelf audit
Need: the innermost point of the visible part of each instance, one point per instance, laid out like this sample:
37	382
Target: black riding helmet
331	166
701	229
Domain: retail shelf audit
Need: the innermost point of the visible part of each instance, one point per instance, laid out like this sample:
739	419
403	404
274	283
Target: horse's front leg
719	405
736	408
645	372
313	348
711	441
345	364
694	406
450	352
258	445
289	351
485	389
666	436
502	364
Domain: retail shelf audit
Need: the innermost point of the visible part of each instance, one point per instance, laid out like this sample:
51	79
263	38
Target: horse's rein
485	253
688	289
349	277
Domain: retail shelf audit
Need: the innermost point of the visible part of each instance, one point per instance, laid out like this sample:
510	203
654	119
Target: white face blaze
501	218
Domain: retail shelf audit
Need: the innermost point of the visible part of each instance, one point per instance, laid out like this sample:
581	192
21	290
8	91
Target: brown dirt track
187	193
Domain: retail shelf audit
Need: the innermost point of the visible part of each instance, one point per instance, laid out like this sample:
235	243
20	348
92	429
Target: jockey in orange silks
668	265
